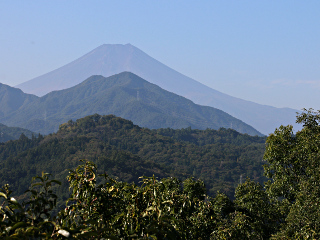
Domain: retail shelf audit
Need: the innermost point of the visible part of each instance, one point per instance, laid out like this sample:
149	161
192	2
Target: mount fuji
110	59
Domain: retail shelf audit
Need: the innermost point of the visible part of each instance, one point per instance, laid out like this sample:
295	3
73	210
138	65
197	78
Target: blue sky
263	51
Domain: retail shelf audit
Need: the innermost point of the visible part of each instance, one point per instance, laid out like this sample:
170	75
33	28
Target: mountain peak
114	46
111	59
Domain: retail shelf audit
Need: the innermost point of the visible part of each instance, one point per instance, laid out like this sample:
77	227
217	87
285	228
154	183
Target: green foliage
208	136
294	165
102	207
262	210
121	149
156	209
31	219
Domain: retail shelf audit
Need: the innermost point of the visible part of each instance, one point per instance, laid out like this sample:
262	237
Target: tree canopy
126	151
285	207
294	166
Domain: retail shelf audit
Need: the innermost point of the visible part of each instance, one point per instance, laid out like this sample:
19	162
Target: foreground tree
33	218
118	210
157	209
294	166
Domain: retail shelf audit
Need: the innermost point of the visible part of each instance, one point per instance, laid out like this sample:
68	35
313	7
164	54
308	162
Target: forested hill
12	133
127	151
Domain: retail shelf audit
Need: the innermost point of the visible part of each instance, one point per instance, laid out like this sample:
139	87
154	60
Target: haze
263	51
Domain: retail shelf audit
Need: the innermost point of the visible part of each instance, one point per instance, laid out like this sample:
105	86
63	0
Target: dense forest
158	205
101	207
221	158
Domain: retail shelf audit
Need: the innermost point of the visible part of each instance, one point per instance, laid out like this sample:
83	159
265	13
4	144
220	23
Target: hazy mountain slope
125	95
111	59
12	133
11	99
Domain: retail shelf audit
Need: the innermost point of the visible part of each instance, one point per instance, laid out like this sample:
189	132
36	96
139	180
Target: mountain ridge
110	59
12	133
125	95
12	98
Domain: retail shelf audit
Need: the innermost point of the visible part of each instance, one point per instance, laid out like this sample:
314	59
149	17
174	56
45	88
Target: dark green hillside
12	133
201	138
125	95
128	151
284	207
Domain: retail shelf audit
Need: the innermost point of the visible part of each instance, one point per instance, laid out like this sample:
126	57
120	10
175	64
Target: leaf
89	234
34	192
18	225
3	195
29	229
37	184
56	181
37	177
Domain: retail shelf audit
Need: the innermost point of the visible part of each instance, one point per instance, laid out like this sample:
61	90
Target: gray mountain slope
125	95
12	133
110	59
11	99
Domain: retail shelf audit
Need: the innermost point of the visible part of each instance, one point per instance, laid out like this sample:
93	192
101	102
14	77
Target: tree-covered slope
125	95
127	151
12	133
285	207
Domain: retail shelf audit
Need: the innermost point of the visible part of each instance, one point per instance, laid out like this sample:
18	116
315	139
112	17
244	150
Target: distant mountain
110	59
12	133
11	99
125	95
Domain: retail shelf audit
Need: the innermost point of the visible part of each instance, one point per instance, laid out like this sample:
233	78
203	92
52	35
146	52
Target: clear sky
265	51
